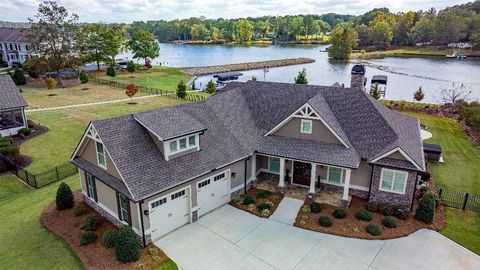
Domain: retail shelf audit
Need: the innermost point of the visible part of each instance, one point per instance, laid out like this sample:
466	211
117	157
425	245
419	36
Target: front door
301	173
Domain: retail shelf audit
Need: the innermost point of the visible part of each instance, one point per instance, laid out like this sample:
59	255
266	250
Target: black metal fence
461	200
41	179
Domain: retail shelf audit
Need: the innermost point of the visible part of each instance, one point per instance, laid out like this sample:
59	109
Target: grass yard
461	172
24	243
160	77
39	97
67	126
9	186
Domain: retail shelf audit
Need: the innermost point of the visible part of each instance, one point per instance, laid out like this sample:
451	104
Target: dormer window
306	126
182	144
101	160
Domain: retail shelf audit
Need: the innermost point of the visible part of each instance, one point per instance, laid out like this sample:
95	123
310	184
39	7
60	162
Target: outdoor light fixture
234	174
146	212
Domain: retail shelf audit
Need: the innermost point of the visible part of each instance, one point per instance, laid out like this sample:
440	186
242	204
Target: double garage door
174	210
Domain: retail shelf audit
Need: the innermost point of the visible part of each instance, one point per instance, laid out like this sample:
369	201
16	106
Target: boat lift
381	82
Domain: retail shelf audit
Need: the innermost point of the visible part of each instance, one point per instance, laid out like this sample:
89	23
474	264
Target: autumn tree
418	95
131	90
143	45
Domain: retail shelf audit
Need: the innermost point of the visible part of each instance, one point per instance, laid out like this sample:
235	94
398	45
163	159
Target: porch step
287	210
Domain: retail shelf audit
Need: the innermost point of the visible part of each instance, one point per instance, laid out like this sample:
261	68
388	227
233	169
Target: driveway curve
229	238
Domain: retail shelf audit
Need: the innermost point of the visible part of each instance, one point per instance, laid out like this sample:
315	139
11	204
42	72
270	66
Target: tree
143	45
64	198
380	32
18	77
343	39
131	90
243	30
181	90
215	34
419	95
54	36
422	32
131	67
454	94
211	88
375	91
111	71
127	246
83	77
475	39
302	77
426	208
35	66
363	34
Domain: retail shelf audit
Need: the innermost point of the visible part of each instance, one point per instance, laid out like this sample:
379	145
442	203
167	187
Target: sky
138	10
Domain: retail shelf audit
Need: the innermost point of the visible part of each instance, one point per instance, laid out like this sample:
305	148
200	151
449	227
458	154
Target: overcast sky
135	10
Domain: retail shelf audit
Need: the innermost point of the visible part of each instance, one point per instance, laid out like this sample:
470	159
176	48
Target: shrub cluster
263	206
339	213
386	210
325	221
19	77
263	194
372	207
131	67
64	198
24	131
374	229
91	223
247	200
83	77
401	212
111	71
363	215
389	222
88	237
426	208
108	239
470	112
315	207
51	83
127	245
79	210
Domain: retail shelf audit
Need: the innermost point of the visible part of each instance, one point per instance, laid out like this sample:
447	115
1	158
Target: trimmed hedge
24	131
111	71
79	210
64	198
88	237
127	245
83	77
386	210
374	229
263	206
109	238
401	212
90	223
247	200
372	207
389	222
426	208
325	221
339	213
363	215
315	207
263	195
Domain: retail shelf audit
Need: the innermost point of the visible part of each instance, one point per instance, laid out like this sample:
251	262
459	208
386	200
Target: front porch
11	121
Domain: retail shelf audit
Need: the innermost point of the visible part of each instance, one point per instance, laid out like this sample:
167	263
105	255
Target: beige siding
135	218
396	155
319	131
83	182
362	175
89	153
182	153
157	142
107	197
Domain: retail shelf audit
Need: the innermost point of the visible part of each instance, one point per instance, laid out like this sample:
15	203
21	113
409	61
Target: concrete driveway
228	238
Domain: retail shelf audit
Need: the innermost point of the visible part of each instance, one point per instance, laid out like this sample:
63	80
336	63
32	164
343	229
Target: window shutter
95	189
119	210
129	214
86	184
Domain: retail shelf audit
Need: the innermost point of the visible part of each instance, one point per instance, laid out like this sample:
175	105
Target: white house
14	47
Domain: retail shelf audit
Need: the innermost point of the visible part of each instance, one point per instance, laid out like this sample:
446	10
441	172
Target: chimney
358	79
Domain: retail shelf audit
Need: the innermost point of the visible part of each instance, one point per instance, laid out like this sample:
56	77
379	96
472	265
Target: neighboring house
12	107
161	169
14	47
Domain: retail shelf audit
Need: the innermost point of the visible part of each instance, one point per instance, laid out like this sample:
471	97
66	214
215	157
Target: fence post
35	180
56	172
440	193
465	201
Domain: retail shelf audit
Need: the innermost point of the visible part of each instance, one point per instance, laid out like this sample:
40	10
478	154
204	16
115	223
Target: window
393	181
91	187
203	183
306	126
158	203
334	175
124	208
219	177
101	155
173	146
178	194
192	141
274	164
182	144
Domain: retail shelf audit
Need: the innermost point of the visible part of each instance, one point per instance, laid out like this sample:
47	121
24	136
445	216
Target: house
161	169
12	107
14	47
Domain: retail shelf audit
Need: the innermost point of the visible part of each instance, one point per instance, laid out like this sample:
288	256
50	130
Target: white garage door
213	192
169	212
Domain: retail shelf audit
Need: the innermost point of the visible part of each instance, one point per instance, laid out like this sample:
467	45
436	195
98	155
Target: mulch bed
274	197
94	256
37	130
354	228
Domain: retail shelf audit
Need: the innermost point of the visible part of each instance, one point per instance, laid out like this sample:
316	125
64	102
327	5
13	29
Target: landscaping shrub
251	207
24	131
211	88
11	150
18	77
79	210
263	195
238	200
90	223
389	222
269	203
374	229
64	198
51	83
386	210
111	71
363	215
422	191
181	90
426	208
315	207
372	207
88	237
339	213
401	212
83	77
127	246
325	221
131	67
265	212
263	206
247	200
306	209
108	238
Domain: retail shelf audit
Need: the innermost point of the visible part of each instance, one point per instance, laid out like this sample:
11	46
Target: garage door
213	192
169	212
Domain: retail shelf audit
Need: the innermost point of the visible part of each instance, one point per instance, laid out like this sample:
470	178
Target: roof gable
10	97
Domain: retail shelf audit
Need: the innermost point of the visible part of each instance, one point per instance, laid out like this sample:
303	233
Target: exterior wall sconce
234	174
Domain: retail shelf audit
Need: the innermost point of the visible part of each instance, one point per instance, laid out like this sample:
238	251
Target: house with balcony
14	46
160	169
12	107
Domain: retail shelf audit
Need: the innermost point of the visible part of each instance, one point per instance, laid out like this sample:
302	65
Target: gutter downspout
245	176
414	192
371	181
141	221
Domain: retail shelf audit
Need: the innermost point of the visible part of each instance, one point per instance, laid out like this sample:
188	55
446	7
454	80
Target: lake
405	75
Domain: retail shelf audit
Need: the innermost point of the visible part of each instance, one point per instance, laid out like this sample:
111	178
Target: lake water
405	75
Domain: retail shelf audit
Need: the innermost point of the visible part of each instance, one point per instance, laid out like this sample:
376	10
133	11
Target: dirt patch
354	228
94	256
274	197
40	83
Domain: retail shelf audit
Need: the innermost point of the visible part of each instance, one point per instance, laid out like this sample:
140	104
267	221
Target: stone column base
311	196
281	189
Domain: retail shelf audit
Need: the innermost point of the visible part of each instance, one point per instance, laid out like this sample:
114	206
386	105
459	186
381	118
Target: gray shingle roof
13	34
10	97
235	122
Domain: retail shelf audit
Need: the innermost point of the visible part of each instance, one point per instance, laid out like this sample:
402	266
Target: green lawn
67	126
24	243
460	172
10	187
160	77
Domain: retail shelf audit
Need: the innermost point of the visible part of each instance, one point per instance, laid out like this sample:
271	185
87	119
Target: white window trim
104	155
393	179
168	152
311	126
90	187
120	196
342	172
269	165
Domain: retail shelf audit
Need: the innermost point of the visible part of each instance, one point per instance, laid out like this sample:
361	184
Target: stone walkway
287	210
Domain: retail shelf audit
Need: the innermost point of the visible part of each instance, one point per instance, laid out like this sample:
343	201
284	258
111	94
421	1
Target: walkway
229	238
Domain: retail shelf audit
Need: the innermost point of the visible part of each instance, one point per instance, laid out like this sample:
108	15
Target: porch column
312	179
281	183
254	167
348	173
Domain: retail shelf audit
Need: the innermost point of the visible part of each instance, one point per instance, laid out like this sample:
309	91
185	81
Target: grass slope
24	243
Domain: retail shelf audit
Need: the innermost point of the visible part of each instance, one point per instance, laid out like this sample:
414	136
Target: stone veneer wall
337	189
376	195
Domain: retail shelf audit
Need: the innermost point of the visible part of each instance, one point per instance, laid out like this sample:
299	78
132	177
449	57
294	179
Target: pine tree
302	77
64	198
211	88
181	90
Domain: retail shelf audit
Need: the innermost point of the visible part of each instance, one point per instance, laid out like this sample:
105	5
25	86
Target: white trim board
403	153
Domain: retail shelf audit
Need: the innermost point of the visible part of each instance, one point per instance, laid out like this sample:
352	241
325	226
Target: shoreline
206	70
411	52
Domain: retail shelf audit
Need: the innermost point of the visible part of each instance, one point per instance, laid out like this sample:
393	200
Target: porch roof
10	97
